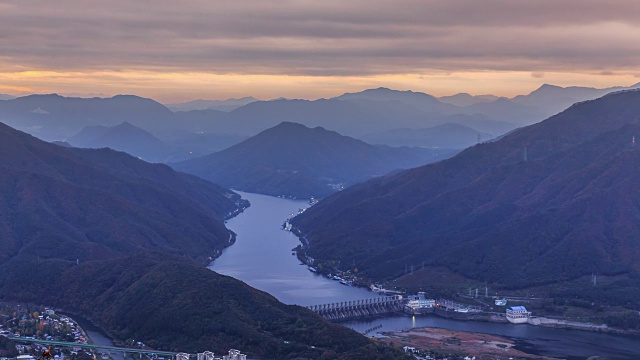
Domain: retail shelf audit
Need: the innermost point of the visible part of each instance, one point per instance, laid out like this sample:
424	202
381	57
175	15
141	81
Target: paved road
92	346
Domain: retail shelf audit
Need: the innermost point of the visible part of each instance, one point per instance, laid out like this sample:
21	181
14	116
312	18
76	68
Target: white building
518	314
182	356
235	355
419	302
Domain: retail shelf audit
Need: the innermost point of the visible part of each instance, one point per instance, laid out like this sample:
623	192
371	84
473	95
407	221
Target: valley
319	180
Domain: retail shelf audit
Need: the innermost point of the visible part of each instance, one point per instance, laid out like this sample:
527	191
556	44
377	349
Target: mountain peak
580	166
125	124
295	160
291	125
547	87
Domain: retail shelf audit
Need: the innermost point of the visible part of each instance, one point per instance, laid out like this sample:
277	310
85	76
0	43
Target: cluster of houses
208	355
62	328
419	304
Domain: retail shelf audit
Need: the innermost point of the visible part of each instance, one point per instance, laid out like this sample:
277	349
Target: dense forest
296	161
172	303
122	242
547	203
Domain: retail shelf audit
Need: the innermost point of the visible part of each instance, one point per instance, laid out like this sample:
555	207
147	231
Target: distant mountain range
349	117
464	99
123	242
220	105
418	100
549	202
142	144
55	118
124	137
454	136
6	97
294	160
553	99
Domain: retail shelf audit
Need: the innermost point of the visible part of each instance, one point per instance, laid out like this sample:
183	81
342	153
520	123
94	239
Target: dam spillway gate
356	309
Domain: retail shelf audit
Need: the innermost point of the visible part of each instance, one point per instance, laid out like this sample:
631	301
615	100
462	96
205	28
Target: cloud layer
321	37
326	38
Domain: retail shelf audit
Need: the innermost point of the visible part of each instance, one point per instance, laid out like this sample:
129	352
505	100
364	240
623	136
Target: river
262	258
95	334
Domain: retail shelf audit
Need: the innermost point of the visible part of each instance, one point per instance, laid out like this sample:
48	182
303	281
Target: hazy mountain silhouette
62	143
507	110
6	97
192	145
182	145
294	160
500	109
453	136
353	118
479	122
465	99
421	101
344	117
54	117
221	105
113	238
200	121
124	137
548	202
553	99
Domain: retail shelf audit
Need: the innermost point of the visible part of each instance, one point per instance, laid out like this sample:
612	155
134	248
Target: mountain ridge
123	137
123	242
294	160
481	199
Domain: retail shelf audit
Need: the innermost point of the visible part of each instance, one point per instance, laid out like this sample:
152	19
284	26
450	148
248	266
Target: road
92	346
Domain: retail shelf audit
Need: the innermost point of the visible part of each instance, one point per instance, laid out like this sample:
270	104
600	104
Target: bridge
359	308
94	346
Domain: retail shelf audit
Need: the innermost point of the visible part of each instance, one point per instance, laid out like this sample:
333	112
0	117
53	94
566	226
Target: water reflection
262	258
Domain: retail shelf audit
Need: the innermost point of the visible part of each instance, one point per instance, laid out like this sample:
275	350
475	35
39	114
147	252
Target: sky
176	51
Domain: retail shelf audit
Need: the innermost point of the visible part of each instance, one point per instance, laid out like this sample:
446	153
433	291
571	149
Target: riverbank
363	282
481	317
457	343
262	244
533	340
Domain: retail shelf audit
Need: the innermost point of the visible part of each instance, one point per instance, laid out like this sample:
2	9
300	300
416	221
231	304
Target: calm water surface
262	258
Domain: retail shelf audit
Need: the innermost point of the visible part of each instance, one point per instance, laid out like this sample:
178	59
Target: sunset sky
175	51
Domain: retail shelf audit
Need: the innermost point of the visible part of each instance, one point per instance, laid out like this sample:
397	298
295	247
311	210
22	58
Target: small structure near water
419	304
518	315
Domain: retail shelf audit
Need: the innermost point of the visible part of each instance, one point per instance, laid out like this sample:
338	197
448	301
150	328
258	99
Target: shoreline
461	343
301	253
554	324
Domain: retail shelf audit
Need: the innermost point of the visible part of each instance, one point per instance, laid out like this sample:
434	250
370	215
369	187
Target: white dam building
518	315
